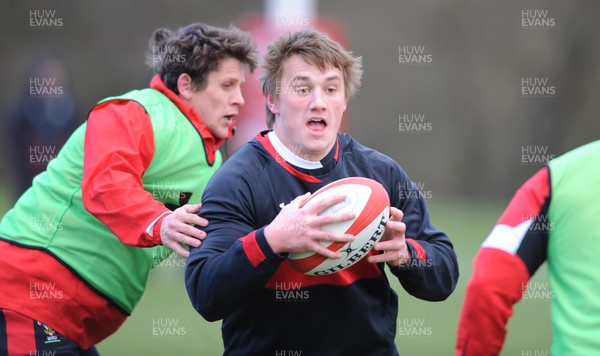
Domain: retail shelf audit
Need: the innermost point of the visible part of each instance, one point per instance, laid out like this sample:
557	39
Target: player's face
218	104
308	108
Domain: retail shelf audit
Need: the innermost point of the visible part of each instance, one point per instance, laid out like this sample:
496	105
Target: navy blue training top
267	307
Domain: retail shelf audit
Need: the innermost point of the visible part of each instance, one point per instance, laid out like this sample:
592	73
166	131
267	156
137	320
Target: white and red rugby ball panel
370	202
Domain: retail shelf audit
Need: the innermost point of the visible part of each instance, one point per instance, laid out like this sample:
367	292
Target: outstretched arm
119	146
510	255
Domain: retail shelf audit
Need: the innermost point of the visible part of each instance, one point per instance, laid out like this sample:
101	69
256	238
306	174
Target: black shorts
22	336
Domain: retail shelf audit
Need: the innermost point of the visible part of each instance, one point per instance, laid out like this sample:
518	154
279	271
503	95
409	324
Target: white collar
289	156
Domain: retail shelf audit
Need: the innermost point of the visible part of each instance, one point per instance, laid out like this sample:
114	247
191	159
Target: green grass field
431	326
165	307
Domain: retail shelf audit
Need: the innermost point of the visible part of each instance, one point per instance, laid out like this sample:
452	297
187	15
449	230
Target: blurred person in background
553	217
41	120
77	248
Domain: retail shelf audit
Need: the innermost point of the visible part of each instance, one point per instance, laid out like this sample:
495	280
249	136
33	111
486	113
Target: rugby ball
370	202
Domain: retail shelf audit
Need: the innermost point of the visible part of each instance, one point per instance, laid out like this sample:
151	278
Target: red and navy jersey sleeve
508	258
235	260
432	273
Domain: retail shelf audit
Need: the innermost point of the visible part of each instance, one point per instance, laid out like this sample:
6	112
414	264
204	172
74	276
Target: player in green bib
553	217
77	248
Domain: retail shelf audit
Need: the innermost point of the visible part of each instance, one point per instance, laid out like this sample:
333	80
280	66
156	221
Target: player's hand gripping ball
370	202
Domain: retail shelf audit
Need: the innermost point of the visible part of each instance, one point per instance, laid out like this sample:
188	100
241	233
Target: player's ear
272	104
185	86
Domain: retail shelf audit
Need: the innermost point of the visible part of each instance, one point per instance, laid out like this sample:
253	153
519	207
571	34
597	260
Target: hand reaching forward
178	228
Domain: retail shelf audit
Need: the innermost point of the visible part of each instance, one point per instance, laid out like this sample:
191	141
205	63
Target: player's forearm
128	211
432	272
219	280
496	285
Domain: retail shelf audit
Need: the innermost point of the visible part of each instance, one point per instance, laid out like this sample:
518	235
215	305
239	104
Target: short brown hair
197	50
315	48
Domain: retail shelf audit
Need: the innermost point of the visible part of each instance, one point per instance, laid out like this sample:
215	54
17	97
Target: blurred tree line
468	96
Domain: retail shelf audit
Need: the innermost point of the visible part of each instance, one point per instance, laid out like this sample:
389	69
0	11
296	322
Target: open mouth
230	118
316	124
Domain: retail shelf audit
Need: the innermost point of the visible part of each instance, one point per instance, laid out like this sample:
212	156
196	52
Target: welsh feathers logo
48	330
51	336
